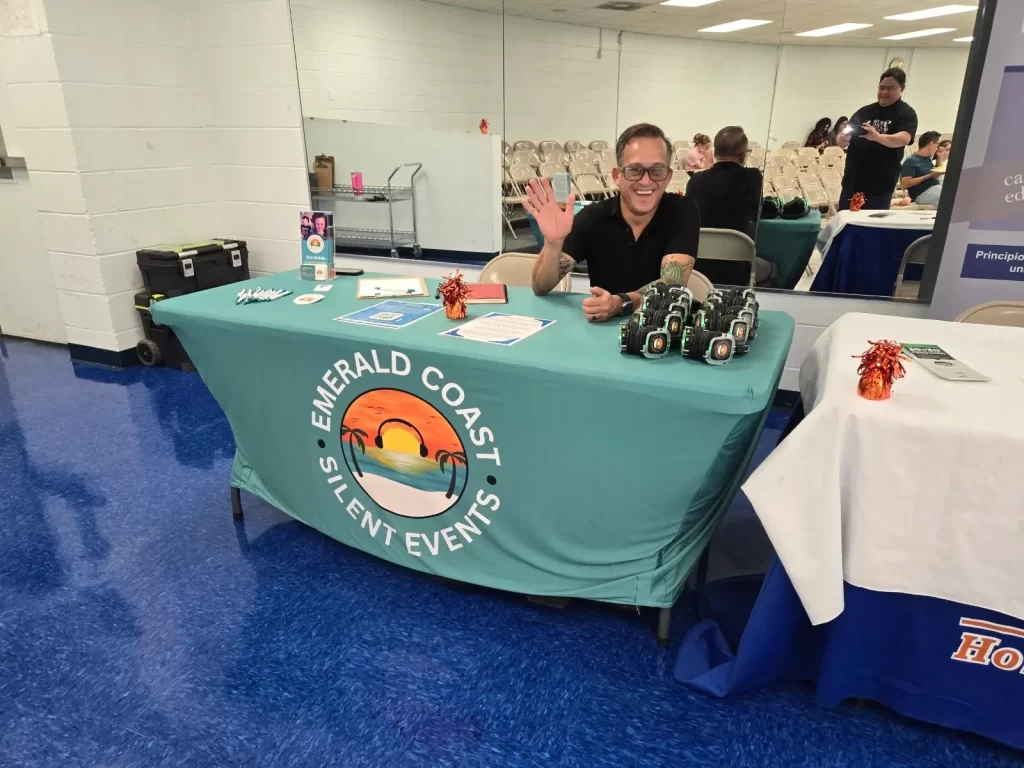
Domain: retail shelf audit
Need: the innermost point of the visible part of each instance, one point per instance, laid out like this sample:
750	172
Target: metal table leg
664	624
236	504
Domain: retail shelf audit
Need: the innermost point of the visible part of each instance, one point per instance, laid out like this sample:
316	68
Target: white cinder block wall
254	126
414	63
399	62
145	122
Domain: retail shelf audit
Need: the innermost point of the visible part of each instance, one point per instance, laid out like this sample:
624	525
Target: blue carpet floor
140	626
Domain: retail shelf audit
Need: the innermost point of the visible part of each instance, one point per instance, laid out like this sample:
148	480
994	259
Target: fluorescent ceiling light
688	3
838	29
920	33
963	39
735	26
931	13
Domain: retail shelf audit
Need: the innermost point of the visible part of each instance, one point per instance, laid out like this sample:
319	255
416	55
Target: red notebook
487	293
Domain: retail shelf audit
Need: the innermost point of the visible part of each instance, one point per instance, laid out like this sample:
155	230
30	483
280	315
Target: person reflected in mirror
837	129
942	153
918	176
818	138
640	236
729	197
700	156
874	139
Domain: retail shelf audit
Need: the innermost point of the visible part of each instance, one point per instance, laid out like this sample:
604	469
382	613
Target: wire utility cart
376	238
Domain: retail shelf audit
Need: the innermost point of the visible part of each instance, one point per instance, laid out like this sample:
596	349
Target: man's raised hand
554	222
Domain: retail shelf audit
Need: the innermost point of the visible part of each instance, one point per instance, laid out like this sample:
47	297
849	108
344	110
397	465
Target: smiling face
321	225
642	196
889	91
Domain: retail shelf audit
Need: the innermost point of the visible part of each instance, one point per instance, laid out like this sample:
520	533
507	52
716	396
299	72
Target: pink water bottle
357	183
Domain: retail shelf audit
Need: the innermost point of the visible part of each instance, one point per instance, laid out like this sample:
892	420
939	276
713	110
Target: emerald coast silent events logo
388	454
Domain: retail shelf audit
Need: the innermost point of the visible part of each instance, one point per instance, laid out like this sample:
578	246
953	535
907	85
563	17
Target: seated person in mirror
728	194
918	175
729	197
837	129
818	138
640	236
700	157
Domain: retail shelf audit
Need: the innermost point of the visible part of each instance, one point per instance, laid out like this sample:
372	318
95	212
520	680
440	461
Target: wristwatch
627	304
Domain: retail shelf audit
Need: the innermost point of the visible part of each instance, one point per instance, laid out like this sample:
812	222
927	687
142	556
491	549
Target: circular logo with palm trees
403	453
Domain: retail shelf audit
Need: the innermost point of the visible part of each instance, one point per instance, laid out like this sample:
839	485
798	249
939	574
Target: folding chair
574	146
581	168
547	147
590	185
786	191
726	245
517	269
598	146
525	157
548	170
834	189
528	145
817	197
916	253
585	155
678	184
995	313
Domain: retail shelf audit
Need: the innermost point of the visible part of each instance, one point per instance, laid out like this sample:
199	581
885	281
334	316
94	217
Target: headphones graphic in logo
415	465
379	440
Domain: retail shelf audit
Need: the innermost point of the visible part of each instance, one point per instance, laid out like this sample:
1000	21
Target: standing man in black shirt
638	237
876	136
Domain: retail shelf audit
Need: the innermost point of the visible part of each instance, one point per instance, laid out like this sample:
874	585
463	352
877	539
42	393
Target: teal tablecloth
788	243
579	471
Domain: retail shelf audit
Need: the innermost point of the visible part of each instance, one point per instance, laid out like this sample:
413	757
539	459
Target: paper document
390	314
390	287
499	328
941	363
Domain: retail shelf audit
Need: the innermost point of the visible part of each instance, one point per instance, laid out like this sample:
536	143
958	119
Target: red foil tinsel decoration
485	127
879	367
454	291
857	201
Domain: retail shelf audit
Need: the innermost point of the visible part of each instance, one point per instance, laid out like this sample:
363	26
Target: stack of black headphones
670	318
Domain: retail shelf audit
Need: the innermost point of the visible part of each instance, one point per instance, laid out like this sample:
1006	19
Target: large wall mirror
425	121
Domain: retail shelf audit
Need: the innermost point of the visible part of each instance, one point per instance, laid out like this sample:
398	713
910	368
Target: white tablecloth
893	219
922	493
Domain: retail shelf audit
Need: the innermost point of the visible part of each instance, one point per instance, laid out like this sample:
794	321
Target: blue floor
140	626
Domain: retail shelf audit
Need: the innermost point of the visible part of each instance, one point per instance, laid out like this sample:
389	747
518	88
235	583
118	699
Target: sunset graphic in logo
403	453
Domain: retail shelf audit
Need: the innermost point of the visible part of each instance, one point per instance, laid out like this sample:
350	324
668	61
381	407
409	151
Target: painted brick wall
146	122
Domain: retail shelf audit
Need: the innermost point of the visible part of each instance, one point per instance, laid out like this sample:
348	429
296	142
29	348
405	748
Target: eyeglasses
636	172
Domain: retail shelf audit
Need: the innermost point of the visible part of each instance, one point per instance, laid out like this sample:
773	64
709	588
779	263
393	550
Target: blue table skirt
866	261
897	649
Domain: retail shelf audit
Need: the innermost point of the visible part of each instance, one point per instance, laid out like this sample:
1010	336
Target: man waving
638	237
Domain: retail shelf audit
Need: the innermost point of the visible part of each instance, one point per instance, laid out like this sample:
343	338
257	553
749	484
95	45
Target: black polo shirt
728	195
617	262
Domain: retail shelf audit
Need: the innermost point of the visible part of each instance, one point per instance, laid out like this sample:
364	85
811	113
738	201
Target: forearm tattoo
672	272
564	265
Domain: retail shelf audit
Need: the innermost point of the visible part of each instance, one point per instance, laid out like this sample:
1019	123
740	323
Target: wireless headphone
379	440
670	319
710	346
634	334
